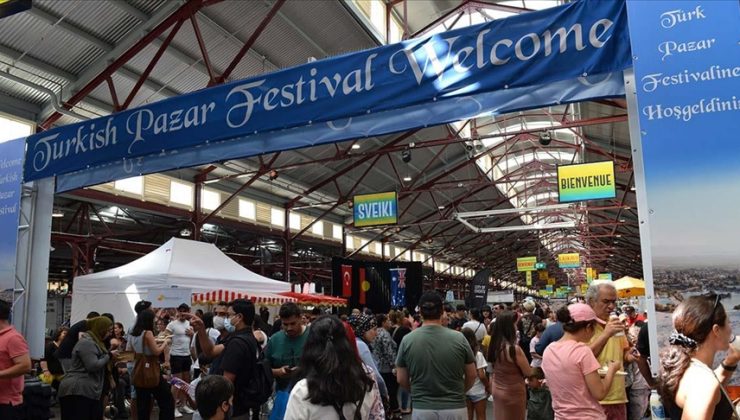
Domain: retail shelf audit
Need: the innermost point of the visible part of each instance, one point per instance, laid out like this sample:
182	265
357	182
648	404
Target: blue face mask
228	326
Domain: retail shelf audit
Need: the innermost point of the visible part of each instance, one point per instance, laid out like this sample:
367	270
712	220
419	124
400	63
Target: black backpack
259	386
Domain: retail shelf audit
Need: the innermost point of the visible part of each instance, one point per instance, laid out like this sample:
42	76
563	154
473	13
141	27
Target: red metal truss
187	11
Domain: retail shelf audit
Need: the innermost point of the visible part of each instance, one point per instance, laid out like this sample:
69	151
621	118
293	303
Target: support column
32	263
286	249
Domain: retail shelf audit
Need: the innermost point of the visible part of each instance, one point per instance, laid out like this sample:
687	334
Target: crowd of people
529	361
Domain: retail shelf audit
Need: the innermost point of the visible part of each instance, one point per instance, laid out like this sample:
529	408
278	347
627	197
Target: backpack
258	388
525	339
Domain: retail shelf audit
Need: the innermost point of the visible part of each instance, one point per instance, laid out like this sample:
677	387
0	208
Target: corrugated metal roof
146	6
97	18
38	39
329	25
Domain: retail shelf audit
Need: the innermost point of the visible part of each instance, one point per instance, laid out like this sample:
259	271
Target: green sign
375	209
540	266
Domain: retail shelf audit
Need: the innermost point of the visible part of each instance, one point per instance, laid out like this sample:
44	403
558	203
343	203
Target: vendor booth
178	264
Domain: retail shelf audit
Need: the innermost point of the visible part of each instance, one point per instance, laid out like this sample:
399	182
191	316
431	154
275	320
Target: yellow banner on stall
589	274
529	278
542	275
572	260
526	263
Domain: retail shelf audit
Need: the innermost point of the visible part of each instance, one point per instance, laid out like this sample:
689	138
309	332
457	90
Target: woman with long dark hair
143	343
510	367
690	389
333	382
572	370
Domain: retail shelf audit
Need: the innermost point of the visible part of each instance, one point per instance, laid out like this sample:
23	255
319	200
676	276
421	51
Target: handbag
146	372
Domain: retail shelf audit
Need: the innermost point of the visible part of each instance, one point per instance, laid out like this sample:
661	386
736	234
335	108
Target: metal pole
643	212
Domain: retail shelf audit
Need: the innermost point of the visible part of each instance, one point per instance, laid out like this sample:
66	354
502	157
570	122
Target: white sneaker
178	414
187	410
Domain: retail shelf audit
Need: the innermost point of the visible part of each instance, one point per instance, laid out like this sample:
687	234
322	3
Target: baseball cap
581	312
142	306
430	300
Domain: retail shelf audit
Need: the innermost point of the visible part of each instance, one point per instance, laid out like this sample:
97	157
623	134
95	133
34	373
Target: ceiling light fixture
406	155
355	146
407	178
57	214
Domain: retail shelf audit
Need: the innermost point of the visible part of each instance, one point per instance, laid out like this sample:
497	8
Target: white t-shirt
478	388
213	334
536	362
180	339
477	327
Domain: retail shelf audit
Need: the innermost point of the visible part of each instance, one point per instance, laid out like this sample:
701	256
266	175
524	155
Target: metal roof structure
64	60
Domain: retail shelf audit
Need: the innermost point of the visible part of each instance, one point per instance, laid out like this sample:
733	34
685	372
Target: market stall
179	265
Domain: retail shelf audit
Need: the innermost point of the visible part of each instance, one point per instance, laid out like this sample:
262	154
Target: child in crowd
477	395
205	365
536	358
539	406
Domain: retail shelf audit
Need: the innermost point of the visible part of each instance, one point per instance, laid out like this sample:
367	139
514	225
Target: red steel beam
184	12
152	64
350	167
203	50
247	45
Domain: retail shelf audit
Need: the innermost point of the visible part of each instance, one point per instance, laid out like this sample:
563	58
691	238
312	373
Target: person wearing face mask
236	357
82	387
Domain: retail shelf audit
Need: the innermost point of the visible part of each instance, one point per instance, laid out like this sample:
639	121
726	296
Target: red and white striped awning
216	296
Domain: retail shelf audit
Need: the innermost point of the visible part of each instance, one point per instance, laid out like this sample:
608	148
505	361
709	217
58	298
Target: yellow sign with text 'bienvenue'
526	263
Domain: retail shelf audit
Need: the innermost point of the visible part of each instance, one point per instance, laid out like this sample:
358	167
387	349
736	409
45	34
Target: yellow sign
526	263
551	281
529	278
584	287
588	181
589	274
542	275
572	260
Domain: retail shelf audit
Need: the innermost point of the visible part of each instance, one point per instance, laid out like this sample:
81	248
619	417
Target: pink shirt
566	363
12	345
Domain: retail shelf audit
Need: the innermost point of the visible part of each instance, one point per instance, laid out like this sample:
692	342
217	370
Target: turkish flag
362	286
346	280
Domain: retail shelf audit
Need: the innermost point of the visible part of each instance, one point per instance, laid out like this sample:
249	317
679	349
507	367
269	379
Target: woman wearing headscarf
365	331
81	389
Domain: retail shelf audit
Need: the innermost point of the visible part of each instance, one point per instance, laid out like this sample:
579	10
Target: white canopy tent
181	263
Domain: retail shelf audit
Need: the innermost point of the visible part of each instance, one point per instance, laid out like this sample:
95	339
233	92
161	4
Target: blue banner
687	81
453	69
11	172
398	287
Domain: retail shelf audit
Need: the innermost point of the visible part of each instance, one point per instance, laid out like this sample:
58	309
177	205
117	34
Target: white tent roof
197	266
183	263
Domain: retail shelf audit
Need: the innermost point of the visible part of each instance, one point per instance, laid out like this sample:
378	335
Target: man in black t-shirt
237	356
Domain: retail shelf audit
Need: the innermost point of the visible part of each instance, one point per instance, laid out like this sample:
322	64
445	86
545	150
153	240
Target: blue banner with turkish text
11	171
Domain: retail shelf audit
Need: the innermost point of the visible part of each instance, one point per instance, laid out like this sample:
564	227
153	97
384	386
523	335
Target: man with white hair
607	345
